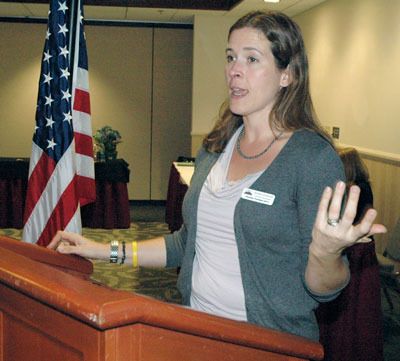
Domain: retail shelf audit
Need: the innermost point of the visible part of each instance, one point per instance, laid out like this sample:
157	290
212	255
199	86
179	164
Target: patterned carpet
160	283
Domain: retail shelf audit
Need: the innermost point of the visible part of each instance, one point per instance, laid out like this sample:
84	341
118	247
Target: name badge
258	196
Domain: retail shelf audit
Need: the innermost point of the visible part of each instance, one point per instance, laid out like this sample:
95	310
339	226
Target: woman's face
252	77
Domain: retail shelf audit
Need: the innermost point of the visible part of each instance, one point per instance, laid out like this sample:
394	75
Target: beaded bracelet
123	253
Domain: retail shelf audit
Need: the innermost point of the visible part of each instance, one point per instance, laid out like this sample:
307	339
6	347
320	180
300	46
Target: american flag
61	170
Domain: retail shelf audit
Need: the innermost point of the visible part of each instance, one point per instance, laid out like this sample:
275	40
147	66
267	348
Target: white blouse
216	281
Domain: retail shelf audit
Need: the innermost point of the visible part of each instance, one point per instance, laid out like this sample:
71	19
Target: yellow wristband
134	254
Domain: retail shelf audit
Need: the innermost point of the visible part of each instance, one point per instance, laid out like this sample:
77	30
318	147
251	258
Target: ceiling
158	11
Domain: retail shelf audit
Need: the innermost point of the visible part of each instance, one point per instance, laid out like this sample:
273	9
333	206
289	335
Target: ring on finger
333	221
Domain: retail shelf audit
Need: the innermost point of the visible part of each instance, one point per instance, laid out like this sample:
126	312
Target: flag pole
74	14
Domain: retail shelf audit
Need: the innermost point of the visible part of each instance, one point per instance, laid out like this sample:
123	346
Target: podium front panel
49	315
32	331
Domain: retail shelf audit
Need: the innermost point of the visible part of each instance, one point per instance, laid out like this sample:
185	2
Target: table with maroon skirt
179	178
110	210
13	184
173	207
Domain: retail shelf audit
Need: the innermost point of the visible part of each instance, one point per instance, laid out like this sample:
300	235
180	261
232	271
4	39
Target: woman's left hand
332	233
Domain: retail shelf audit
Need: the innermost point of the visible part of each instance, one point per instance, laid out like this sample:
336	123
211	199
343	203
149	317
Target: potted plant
106	140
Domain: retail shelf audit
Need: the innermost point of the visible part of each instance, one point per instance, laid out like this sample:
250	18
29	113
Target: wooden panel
141	342
54	310
385	179
36	332
128	342
158	344
20	340
74	264
2	331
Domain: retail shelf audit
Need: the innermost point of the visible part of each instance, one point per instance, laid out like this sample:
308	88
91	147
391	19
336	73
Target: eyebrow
247	48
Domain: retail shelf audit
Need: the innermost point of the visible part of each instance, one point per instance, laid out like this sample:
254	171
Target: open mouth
238	92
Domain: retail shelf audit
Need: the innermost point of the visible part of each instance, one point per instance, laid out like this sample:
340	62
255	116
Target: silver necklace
249	157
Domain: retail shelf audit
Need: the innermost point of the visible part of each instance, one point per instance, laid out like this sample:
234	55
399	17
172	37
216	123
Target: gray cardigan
272	239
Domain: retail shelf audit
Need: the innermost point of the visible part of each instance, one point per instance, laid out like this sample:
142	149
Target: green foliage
106	138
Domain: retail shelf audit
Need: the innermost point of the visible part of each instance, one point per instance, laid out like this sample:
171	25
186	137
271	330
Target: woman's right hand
73	243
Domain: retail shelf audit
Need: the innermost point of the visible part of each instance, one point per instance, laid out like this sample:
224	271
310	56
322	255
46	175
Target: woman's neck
257	130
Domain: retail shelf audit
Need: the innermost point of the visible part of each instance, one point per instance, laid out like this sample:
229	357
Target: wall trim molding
101	22
390	158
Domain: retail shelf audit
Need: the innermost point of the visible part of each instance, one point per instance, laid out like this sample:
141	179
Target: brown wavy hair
293	108
355	169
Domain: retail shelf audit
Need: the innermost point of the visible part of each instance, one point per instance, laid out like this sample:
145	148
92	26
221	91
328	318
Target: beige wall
354	52
121	94
209	91
128	92
19	75
172	104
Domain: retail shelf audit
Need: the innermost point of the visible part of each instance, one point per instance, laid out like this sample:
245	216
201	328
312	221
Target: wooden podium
51	311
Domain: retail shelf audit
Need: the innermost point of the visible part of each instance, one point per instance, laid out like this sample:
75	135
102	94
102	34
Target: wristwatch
114	245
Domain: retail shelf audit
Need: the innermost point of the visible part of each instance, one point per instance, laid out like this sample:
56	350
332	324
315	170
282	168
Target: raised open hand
333	232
